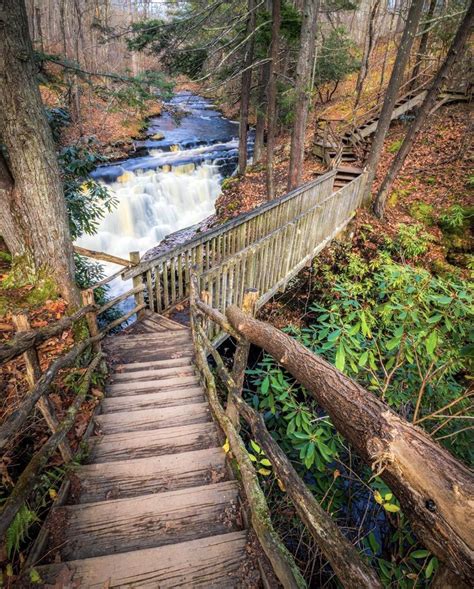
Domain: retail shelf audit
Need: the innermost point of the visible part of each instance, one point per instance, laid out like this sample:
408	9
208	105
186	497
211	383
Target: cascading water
173	185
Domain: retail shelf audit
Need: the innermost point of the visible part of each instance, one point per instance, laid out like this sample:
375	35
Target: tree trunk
272	96
33	218
261	113
245	89
453	55
368	46
303	82
391	95
423	43
434	489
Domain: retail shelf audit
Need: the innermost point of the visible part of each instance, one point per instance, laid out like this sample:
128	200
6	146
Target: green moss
422	212
228	182
395	146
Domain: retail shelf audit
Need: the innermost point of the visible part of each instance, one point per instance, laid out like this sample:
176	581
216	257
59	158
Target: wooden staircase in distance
154	506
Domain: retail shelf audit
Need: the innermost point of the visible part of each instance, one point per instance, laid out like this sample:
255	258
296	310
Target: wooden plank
157	474
113	423
155	373
167	398
154	442
121	525
156	365
149	354
133	388
209	563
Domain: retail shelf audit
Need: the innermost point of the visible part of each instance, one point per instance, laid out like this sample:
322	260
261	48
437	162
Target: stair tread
208	563
152	400
111	423
143	386
152	442
156	474
120	376
122	525
124	367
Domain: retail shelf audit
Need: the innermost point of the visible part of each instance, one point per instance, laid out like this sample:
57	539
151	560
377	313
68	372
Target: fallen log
436	491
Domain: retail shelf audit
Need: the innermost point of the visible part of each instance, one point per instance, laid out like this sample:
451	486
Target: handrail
343	557
225	227
415	466
103	256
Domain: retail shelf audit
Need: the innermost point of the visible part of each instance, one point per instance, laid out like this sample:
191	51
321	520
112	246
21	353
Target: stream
172	184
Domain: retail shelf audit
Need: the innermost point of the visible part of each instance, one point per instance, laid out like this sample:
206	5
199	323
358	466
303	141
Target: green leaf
340	357
391	507
431	342
256	447
393	343
265	385
252	457
363	358
35	576
334	335
420	554
265	462
443	300
431	567
264	471
373	543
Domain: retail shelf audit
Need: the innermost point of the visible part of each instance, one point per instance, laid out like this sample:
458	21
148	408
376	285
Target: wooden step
113	423
142	476
152	374
139	353
166	398
153	442
214	562
151	386
122	525
157	365
142	342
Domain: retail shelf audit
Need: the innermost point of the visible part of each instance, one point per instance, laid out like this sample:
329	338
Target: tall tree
369	39
456	48
272	95
245	88
423	43
409	32
33	217
303	82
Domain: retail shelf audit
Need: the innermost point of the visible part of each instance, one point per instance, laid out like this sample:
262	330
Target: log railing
434	489
25	343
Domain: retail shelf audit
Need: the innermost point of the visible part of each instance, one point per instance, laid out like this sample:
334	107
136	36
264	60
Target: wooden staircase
155	505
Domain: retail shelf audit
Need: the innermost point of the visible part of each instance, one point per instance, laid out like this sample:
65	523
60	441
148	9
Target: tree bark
434	489
261	108
33	218
272	96
423	43
303	95
245	88
454	52
368	46
391	95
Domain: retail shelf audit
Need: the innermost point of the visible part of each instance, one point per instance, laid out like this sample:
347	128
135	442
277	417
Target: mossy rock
423	212
157	137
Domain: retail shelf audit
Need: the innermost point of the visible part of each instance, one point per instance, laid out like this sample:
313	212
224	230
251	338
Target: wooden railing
405	457
25	344
263	248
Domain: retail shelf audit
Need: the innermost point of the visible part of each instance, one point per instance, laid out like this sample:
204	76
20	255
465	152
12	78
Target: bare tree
245	88
409	32
456	48
33	218
272	95
303	83
368	46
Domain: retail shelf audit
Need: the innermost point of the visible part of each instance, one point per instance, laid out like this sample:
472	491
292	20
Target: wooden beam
104	257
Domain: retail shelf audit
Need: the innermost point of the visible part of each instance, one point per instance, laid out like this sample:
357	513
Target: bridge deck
155	506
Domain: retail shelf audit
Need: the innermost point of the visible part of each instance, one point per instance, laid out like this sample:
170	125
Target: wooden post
91	318
241	357
138	281
33	374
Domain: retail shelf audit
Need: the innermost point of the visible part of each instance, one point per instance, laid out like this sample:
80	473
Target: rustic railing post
138	281
249	305
91	317
33	374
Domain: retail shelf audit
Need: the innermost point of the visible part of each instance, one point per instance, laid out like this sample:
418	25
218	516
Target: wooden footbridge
157	503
